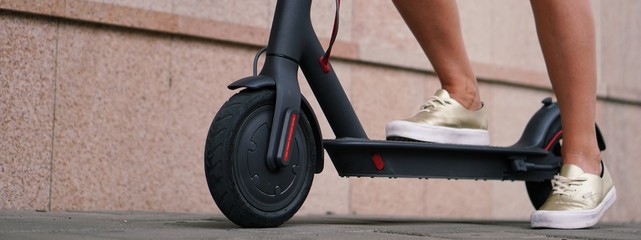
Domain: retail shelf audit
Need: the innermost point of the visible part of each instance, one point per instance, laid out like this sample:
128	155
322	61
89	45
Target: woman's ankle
468	98
589	163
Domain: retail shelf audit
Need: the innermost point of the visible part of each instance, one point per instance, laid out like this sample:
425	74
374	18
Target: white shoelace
564	186
433	103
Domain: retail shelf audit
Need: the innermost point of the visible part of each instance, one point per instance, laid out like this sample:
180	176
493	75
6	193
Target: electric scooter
265	144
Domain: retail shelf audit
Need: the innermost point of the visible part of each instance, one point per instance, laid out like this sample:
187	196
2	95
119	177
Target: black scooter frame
293	43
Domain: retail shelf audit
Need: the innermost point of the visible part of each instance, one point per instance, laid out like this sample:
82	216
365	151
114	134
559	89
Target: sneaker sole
437	134
573	219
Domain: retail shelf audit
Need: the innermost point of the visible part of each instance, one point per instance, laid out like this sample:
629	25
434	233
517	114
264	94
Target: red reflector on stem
290	133
378	161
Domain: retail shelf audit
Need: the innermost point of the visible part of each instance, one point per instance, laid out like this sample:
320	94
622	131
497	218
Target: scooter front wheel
243	187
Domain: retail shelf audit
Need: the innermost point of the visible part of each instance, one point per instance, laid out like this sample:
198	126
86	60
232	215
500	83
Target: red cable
324	60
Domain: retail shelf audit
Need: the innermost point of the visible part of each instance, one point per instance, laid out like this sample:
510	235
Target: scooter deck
377	158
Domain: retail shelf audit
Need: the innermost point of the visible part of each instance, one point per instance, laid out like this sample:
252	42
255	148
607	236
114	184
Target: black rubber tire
245	190
539	191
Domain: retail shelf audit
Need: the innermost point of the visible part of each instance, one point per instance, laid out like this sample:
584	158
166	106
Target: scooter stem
294	43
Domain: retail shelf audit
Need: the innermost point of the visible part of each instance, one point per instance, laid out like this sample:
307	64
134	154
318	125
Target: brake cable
324	60
261	51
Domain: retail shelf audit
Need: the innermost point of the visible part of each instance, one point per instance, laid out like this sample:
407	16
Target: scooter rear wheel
241	184
539	191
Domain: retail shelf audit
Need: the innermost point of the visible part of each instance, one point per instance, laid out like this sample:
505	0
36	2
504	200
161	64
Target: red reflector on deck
378	161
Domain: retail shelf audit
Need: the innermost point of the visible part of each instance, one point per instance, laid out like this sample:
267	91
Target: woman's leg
567	38
455	113
436	26
582	191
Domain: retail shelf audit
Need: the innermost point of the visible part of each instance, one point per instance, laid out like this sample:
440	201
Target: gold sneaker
577	200
443	120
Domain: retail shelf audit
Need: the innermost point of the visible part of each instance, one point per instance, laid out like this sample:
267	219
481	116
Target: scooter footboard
372	158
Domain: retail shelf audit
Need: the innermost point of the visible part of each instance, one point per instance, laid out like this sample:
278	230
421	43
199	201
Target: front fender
253	82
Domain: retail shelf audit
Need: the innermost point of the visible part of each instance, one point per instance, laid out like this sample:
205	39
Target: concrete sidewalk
146	225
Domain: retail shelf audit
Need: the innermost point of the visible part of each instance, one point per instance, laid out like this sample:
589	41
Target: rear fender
538	126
